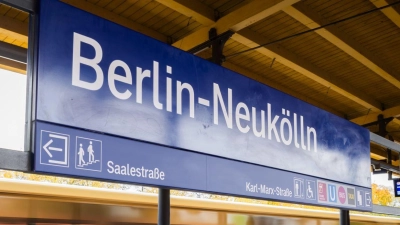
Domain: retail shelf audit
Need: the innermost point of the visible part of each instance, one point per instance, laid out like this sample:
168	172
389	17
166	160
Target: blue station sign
114	104
80	153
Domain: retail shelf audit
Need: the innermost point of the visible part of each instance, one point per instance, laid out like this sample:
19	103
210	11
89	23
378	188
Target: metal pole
344	217
163	206
31	75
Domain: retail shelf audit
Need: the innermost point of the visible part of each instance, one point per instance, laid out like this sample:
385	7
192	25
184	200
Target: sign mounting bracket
217	43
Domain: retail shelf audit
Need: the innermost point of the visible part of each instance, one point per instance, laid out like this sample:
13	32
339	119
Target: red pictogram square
322	196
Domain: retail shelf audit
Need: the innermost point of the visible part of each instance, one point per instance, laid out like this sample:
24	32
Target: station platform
38	202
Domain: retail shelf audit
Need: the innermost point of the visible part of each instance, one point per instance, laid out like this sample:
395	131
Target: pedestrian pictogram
88	154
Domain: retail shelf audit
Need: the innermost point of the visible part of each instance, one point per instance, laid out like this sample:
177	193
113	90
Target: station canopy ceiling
340	55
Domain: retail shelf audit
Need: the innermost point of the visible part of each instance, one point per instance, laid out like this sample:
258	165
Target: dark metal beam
218	45
384	142
13	52
212	39
385	120
344	217
386	166
15	160
164	206
24	5
12	65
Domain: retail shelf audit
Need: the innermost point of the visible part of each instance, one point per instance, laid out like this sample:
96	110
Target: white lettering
169	94
77	60
127	170
156	175
282	129
272	125
296	143
162	175
140	75
112	77
260	133
303	146
132	172
218	98
245	116
156	101
311	130
179	90
110	167
169	90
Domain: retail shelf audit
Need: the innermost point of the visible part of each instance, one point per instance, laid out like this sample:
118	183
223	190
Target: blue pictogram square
311	190
54	148
332	194
88	154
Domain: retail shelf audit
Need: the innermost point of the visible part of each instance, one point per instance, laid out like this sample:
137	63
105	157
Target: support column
163	206
344	217
31	72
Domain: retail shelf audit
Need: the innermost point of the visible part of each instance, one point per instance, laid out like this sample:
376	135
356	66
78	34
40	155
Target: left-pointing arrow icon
48	149
54	150
45	147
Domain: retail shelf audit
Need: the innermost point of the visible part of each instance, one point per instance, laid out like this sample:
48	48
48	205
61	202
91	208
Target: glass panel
14	41
383	190
12	110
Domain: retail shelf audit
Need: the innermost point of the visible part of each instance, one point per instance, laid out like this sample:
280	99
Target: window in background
382	191
12	110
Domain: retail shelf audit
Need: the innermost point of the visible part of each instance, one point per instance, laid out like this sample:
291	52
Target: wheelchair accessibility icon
310	190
